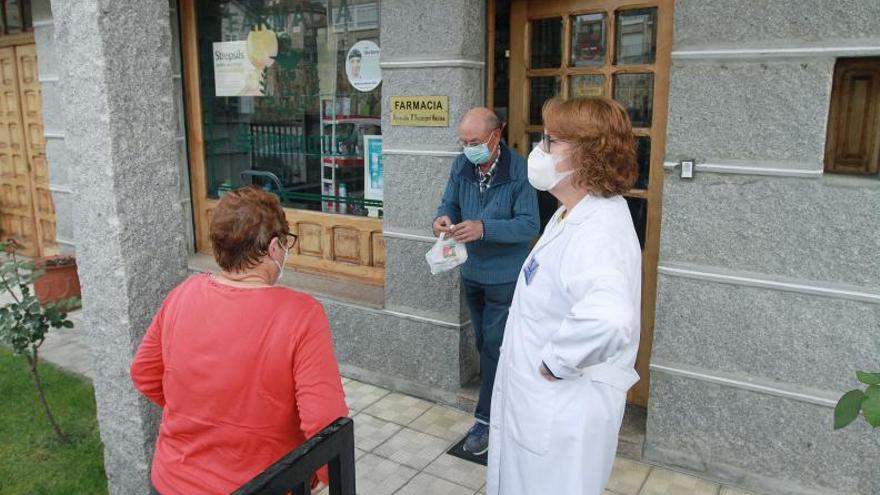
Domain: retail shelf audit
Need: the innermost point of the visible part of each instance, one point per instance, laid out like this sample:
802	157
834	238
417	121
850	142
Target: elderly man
490	206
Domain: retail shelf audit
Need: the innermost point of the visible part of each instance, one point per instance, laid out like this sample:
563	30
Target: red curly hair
244	223
603	147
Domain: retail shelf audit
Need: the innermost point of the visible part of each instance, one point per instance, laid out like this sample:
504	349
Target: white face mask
281	266
543	175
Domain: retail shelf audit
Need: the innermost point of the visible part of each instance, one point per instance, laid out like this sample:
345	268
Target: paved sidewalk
401	441
401	445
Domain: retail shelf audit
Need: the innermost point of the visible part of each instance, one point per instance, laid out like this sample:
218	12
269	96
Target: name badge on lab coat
530	270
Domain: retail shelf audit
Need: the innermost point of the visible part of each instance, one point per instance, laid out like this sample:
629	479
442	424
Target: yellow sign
420	111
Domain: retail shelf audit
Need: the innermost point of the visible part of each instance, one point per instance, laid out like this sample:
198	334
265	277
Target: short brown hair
604	150
244	223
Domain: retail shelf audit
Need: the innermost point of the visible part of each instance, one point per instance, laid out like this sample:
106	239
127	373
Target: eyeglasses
290	240
547	140
466	144
477	142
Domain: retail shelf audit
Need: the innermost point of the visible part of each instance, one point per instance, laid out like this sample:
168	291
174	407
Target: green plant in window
855	401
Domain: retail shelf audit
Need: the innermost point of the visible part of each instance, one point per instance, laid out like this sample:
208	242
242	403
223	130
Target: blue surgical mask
478	154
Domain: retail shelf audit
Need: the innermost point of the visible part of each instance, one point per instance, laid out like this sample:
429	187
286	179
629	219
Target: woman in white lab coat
572	335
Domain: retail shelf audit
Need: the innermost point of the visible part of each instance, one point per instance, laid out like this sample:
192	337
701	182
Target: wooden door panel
34	148
853	144
18	217
26	211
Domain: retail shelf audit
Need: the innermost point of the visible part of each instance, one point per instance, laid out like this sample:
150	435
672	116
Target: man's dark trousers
488	305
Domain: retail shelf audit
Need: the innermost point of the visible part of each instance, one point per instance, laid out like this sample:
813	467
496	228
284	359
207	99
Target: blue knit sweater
508	210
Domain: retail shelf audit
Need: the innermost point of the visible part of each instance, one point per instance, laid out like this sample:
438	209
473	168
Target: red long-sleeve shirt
244	375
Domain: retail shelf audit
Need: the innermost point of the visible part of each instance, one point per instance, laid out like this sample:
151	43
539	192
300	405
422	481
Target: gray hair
493	122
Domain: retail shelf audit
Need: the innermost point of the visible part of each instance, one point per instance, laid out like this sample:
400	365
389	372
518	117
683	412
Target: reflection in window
291	95
588	40
546	43
636	36
590	85
638	209
636	93
541	89
643	160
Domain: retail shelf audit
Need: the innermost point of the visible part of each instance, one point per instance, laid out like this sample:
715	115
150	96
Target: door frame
520	13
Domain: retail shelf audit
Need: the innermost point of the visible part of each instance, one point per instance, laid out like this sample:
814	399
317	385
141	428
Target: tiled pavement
401	441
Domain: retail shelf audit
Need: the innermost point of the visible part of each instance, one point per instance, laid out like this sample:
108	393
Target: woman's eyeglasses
290	240
547	140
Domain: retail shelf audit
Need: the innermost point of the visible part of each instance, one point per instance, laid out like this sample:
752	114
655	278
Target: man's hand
441	225
467	231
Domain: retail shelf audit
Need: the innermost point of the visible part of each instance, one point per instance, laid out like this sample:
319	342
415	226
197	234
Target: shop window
853	144
291	101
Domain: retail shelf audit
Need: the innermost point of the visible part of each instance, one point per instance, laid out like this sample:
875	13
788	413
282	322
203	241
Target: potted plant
24	322
59	281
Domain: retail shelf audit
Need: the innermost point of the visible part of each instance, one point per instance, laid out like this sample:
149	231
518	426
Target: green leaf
68	324
872	391
868	378
871	409
847	409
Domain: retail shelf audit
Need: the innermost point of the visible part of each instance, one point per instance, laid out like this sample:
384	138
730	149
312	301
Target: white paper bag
445	254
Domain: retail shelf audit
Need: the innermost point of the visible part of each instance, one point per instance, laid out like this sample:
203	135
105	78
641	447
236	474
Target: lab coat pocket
532	402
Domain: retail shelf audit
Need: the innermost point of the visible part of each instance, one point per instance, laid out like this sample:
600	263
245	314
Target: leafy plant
867	402
24	322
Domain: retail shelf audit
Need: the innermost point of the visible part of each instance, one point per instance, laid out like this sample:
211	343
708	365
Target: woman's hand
545	372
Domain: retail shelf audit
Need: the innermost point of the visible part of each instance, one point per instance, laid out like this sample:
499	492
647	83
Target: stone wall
122	158
769	290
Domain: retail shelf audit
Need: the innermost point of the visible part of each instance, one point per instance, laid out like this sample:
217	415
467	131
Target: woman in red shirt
244	370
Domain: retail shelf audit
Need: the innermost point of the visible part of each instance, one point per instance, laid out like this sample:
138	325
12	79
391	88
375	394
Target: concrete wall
769	289
60	180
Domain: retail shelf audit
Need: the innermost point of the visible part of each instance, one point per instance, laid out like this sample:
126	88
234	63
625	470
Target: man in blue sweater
490	206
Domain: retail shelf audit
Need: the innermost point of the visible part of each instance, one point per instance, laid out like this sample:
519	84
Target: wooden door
27	213
615	48
853	144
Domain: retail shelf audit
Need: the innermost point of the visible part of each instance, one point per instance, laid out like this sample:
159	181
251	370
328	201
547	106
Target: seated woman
244	370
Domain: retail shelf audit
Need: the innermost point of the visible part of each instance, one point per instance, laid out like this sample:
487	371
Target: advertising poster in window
362	66
240	66
373	173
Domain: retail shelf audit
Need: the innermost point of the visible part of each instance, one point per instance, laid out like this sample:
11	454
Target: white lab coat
580	314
